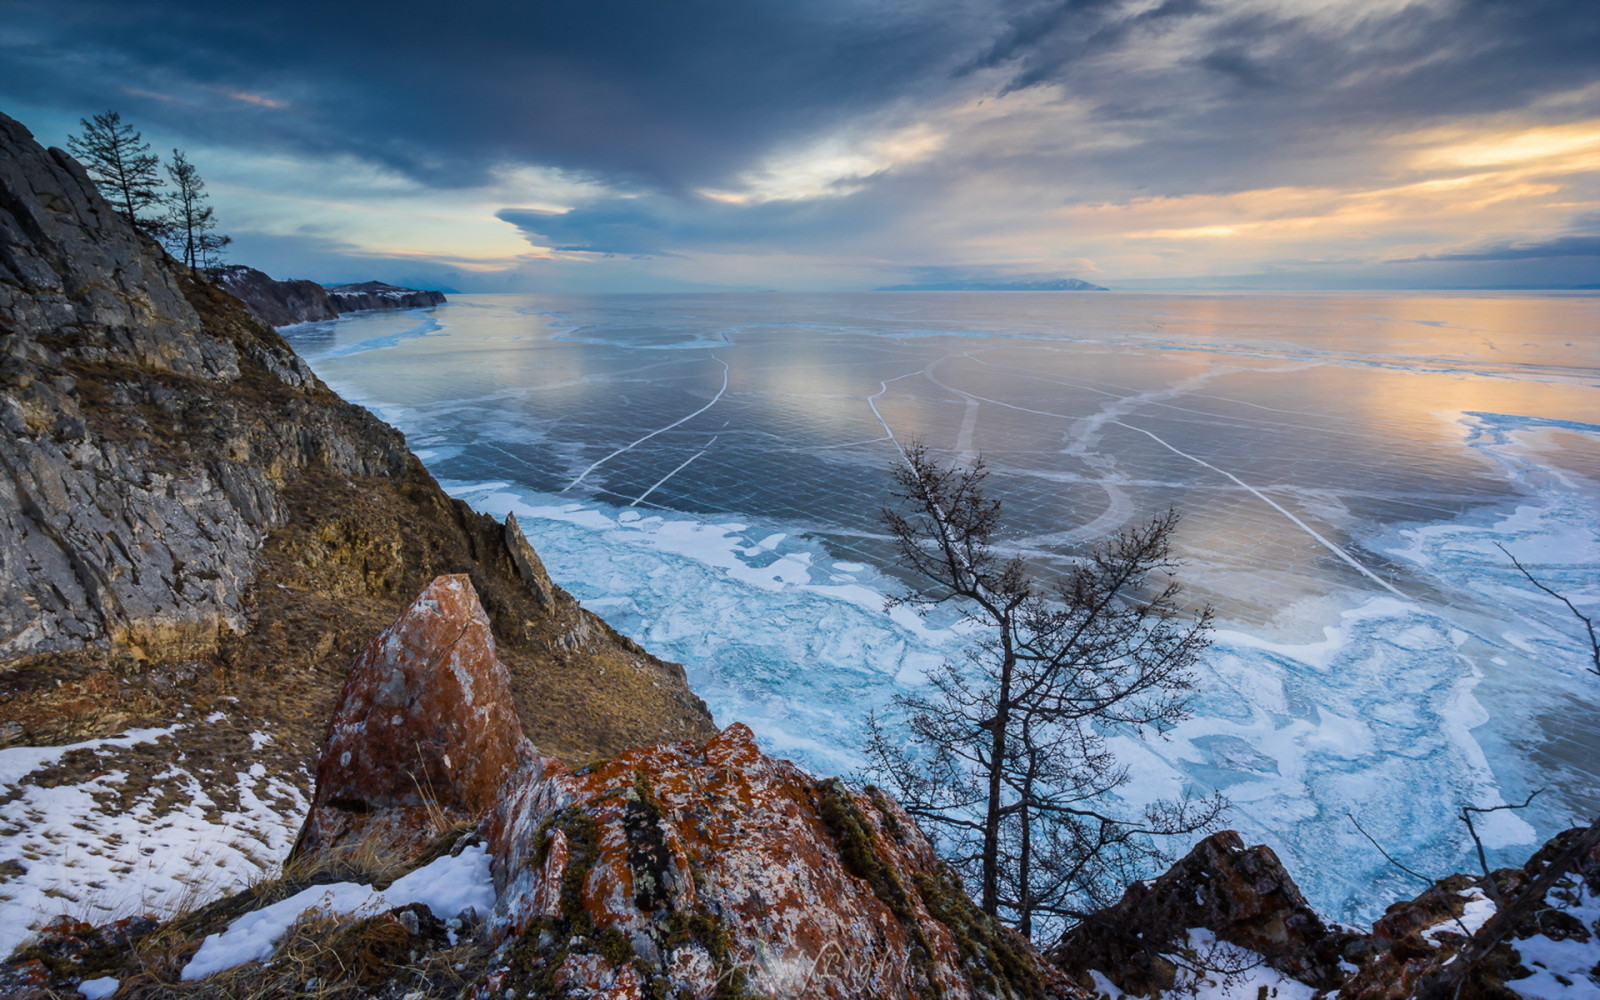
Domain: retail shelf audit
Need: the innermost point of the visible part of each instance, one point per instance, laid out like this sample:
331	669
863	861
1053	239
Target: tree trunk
997	748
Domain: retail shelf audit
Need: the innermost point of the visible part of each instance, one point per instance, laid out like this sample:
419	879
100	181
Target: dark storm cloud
1248	91
660	94
674	96
1423	60
653	226
659	101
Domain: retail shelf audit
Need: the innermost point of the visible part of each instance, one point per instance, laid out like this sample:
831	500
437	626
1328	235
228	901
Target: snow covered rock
1242	896
425	734
1533	932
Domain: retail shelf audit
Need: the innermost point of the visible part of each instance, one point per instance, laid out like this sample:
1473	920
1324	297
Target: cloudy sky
848	144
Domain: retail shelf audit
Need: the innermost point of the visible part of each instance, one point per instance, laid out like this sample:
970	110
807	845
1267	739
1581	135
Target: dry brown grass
321	956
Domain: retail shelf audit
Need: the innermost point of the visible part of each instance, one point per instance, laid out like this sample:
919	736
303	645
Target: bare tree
190	220
122	167
1007	760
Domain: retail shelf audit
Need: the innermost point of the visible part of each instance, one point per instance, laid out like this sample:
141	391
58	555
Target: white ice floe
447	887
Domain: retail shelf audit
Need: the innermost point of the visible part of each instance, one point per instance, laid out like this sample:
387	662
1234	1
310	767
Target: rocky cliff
193	526
377	295
283	303
274	302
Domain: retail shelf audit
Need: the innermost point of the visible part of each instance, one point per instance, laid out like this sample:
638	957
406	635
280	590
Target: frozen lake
706	471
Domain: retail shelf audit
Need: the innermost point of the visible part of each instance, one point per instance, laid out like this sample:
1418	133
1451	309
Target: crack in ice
1330	546
684	464
627	447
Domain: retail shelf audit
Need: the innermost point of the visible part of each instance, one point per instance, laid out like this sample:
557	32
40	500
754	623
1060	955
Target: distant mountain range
1050	285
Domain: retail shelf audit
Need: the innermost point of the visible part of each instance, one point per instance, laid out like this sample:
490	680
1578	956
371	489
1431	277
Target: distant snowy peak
1048	285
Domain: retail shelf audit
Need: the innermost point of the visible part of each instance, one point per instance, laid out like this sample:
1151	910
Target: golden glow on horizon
1550	145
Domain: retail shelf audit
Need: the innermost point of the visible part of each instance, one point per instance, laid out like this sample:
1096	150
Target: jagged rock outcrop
274	302
1465	936
425	735
378	295
1243	896
297	300
1538	925
686	869
189	517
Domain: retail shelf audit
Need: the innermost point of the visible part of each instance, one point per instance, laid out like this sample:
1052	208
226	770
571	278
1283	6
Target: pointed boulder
425	734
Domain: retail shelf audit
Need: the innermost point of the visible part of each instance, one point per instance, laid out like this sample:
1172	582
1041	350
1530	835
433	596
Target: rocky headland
297	300
231	601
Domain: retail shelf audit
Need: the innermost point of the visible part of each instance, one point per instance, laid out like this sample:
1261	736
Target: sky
640	145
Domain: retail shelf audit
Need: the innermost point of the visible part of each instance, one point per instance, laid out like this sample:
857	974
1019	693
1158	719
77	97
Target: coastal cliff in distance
297	300
1043	285
190	520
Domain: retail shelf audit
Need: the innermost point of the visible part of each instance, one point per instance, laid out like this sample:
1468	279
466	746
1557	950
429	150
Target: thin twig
1483	860
1588	623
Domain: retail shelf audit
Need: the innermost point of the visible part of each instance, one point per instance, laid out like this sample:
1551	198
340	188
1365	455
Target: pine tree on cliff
122	167
190	220
1007	760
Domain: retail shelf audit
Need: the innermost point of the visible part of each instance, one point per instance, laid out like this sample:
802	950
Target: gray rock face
186	511
135	484
74	279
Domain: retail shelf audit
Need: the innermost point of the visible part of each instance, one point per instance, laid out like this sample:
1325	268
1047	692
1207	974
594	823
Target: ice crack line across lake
1324	542
684	464
883	389
681	420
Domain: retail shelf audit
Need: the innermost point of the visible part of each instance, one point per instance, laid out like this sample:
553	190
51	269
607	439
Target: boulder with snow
1240	896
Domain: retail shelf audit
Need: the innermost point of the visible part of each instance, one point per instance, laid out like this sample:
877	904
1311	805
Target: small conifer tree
121	165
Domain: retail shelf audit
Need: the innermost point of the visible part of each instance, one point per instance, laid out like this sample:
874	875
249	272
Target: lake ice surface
705	471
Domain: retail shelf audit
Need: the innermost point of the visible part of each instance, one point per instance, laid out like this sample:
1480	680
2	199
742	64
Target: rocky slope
193	527
691	869
445	857
283	303
1229	921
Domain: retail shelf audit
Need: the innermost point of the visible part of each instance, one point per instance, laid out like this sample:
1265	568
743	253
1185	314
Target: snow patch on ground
1216	970
1567	969
447	887
91	851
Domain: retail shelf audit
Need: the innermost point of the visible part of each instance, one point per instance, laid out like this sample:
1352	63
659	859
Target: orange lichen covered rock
680	870
712	870
425	734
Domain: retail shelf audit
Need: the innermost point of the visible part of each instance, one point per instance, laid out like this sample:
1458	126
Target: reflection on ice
706	471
